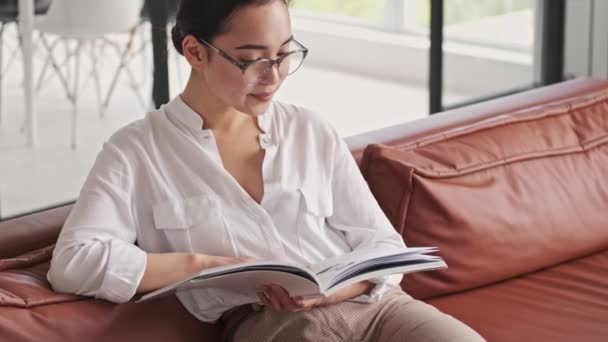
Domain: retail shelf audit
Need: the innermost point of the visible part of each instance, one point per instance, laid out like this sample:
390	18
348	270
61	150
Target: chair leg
66	47
21	50
135	86
63	64
13	57
1	66
123	62
143	51
95	74
71	94
56	67
148	104
75	95
45	66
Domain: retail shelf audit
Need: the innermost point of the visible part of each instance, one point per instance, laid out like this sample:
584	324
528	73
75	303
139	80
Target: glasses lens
290	64
256	70
293	62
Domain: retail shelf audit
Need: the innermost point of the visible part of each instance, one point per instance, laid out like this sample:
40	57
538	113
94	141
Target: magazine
320	279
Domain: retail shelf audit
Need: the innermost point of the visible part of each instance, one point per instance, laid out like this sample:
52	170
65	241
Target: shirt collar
177	109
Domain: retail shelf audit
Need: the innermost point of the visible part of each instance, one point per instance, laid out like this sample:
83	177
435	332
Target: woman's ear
195	52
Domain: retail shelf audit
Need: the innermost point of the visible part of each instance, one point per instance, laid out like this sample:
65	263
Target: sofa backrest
31	232
502	196
410	131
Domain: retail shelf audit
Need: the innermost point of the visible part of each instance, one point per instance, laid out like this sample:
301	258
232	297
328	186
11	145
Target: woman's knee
420	322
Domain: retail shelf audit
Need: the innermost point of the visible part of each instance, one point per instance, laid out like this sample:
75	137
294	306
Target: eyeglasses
254	71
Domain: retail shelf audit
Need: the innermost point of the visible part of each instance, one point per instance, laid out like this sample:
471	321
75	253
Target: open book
315	280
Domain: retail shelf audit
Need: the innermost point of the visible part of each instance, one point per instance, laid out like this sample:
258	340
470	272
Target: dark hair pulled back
206	19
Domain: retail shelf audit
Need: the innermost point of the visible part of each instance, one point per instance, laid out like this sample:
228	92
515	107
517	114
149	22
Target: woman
222	175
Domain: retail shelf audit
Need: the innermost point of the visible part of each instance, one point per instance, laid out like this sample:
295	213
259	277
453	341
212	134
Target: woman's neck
215	114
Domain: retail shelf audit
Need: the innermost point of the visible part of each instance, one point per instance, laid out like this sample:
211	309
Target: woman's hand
278	299
167	268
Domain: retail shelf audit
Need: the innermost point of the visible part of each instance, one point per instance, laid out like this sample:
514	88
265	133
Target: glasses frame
244	66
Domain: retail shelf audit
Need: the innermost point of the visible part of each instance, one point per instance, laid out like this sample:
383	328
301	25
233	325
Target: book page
246	278
427	266
334	268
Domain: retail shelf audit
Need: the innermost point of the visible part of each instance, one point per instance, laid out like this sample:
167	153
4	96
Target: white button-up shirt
159	186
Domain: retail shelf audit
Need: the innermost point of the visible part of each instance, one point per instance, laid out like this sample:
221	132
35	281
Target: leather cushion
23	281
27	259
27	288
34	231
567	302
501	197
31	311
91	320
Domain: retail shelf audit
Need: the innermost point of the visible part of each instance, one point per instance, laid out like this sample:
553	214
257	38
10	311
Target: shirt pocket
317	200
196	224
315	206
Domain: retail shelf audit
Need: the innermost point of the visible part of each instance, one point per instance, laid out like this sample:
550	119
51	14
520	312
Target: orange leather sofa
513	191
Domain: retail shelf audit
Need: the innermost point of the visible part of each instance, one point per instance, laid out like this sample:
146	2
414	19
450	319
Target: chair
88	23
9	12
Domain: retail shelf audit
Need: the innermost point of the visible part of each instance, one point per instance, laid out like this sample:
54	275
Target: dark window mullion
436	58
159	18
552	55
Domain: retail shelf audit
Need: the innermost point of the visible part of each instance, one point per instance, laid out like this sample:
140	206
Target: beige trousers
396	317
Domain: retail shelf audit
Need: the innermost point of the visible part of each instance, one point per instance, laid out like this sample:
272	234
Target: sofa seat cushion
567	302
160	320
501	197
28	288
23	280
31	311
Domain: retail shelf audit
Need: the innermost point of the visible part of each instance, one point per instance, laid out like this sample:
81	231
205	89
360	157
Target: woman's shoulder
136	132
129	143
127	147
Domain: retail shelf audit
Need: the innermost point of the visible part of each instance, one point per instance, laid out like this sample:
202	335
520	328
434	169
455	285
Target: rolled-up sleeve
96	254
359	216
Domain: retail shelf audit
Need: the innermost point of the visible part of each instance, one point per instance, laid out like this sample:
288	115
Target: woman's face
253	32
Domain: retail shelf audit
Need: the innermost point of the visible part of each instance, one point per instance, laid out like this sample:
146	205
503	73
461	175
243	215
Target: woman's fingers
288	303
280	300
303	302
273	299
264	300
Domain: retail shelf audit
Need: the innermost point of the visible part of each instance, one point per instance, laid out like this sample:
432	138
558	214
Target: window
364	10
488	45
